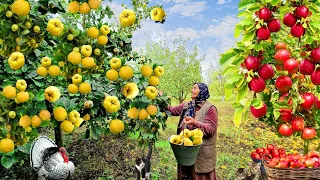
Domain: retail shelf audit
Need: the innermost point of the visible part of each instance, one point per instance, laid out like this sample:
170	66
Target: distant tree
217	82
182	66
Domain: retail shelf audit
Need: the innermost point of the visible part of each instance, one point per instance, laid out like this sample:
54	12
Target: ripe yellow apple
104	30
127	17
111	104
86	50
74	57
73	7
36	29
158	71
157	14
115	63
73	116
151	92
55	26
21	85
146	70
130	90
46	61
9	92
16	60
52	94
21	7
76	79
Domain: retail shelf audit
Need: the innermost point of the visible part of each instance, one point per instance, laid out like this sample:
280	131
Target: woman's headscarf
192	105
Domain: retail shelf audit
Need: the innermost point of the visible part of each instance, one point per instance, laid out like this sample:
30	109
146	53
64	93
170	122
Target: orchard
274	70
62	66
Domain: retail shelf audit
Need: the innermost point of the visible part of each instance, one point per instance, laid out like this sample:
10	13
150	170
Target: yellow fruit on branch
70	37
116	126
21	7
55	27
97	52
76	79
127	17
88	62
130	90
22	97
93	32
42	71
115	63
175	139
73	7
60	114
94	4
86	117
78	122
16	60
157	14
85	88
9	14
158	71
73	116
54	70
9	92
28	129
111	104
21	85
45	115
154	81
67	126
152	109
102	40
84	8
73	88
12	114
133	113
74	57
126	72
25	121
6	145
46	61
151	92
104	30
35	121
15	27
143	114
112	75
8	127
36	29
52	94
86	50
146	70
88	104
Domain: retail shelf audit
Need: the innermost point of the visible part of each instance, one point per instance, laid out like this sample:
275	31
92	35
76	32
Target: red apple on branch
259	112
301	11
283	83
281	56
308	101
263	33
291	65
285	130
266	71
265	14
297	30
297	124
289	19
315	54
308	133
252	62
306	67
257	84
274	25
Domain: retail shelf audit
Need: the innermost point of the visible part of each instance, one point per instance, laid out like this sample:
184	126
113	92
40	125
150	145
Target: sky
208	24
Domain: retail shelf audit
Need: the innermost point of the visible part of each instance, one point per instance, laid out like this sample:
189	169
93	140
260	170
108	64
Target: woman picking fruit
199	113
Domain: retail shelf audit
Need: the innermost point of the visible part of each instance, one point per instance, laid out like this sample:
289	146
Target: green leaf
244	3
228	88
249	36
234	78
276	113
227	58
25	32
237	31
275	2
247	21
237	117
37	52
7	161
25	148
242	93
257	103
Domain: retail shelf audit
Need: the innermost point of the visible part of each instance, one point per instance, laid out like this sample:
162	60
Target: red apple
317	102
255	155
295	164
291	65
274	25
297	124
308	133
301	11
297	30
315	54
275	153
315	76
306	67
313	154
265	14
286	114
252	62
259	112
303	166
276	159
285	130
308	101
310	163
257	84
263	33
281	45
260	150
283	164
283	83
266	71
289	19
271	147
298	157
272	164
281	56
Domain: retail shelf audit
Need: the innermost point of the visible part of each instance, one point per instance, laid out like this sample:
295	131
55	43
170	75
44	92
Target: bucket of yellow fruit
186	145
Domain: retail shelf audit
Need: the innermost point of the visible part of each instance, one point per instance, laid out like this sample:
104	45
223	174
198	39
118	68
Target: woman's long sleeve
176	110
209	126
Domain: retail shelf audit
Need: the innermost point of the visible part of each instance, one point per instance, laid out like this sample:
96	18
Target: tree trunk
58	136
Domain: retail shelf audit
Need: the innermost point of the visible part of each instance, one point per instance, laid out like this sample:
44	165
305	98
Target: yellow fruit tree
62	66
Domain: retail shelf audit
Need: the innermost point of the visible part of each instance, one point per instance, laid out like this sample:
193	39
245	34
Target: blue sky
209	24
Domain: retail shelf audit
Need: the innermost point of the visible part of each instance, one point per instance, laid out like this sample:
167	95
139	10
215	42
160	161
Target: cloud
175	1
116	8
224	28
223	1
188	9
184	33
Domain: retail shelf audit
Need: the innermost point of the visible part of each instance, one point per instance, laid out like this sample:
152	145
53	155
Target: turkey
49	160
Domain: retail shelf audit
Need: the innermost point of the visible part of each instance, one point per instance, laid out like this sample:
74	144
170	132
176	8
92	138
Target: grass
113	157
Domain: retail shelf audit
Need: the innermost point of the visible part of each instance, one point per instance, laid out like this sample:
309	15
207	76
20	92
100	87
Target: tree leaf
237	31
7	161
237	117
257	103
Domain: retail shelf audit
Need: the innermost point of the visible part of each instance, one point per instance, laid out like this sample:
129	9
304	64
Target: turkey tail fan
37	151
